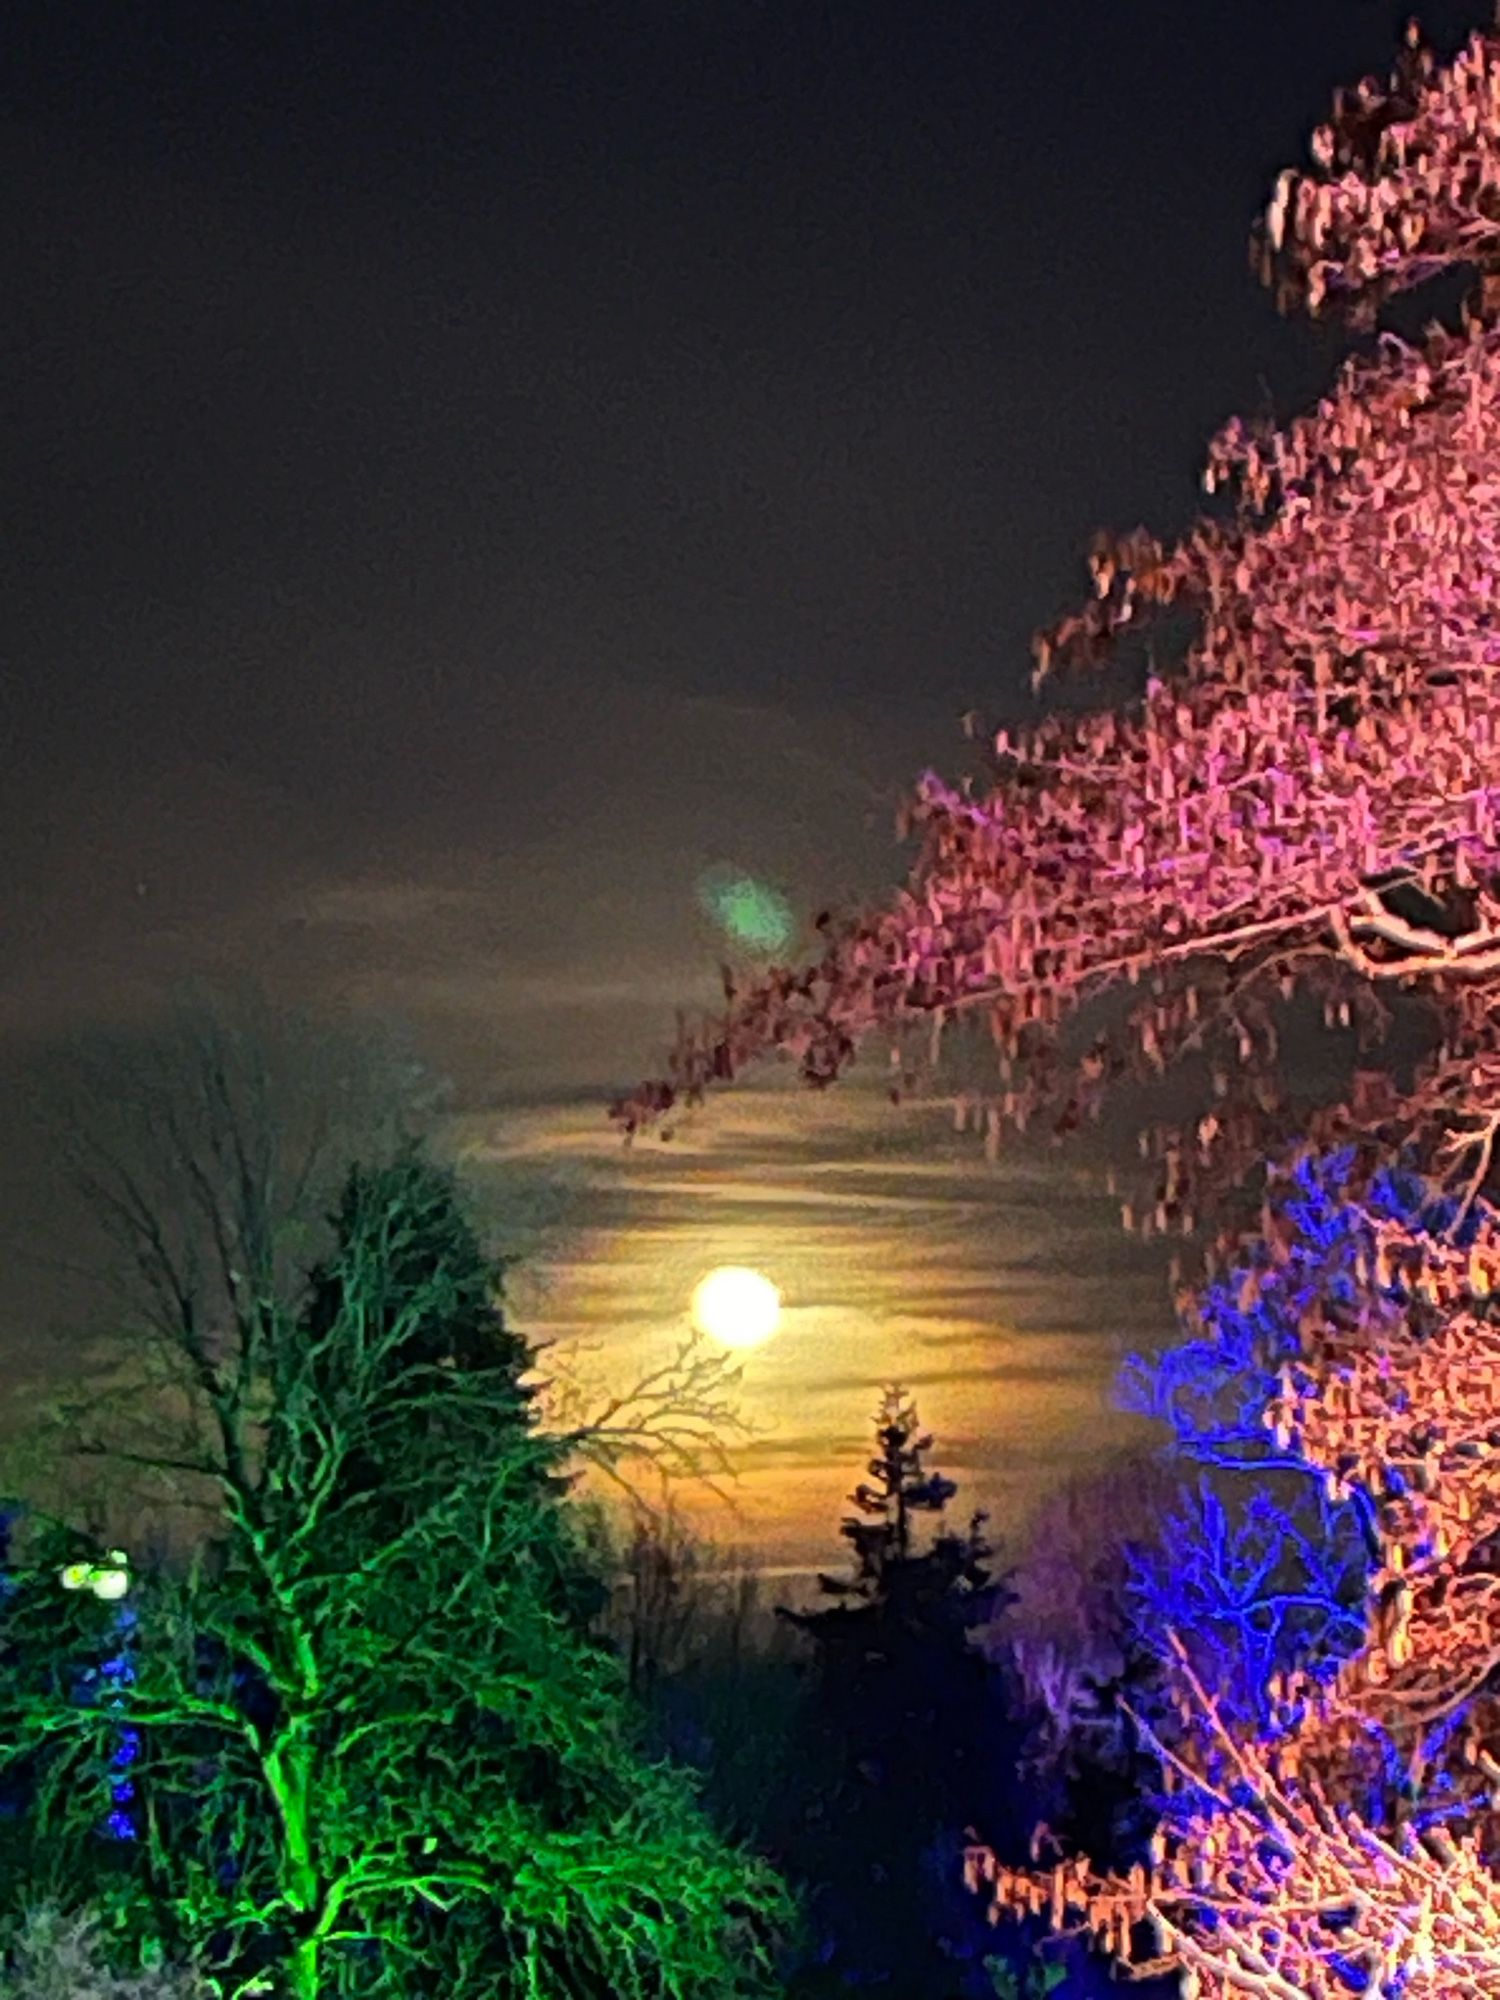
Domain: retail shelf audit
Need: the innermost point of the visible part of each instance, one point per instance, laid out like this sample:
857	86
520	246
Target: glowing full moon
736	1307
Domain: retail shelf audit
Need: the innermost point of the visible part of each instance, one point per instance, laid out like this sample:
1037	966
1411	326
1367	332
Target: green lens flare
751	912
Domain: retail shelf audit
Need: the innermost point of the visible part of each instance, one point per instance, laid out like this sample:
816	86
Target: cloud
1007	1374
999	1294
391	905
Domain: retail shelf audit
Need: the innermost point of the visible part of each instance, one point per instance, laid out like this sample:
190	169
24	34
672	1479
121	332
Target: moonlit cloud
946	1284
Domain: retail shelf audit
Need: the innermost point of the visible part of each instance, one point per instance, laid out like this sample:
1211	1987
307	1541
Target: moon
736	1306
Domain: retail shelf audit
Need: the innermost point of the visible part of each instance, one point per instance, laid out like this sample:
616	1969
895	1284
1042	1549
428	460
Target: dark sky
468	469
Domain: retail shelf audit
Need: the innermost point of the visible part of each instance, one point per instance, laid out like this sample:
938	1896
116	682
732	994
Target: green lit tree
379	1752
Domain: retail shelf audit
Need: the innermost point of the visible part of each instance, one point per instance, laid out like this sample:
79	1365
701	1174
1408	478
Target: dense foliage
378	1750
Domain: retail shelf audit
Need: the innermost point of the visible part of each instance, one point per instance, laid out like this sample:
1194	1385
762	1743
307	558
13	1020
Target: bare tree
195	1164
203	1158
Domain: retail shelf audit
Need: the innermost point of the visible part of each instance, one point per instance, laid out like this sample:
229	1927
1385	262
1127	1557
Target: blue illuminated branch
1260	1571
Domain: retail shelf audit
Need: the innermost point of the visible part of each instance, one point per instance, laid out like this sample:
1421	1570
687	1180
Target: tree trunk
304	1971
289	1774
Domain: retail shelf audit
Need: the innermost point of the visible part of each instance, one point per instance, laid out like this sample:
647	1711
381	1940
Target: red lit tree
1353	1845
1308	801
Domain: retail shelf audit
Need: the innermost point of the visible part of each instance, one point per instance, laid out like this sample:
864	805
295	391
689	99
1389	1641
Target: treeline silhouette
931	1693
940	1693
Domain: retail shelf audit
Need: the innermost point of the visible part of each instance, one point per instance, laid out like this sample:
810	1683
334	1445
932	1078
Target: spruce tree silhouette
908	1739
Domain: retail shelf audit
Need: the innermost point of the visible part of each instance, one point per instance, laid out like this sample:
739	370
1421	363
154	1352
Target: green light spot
751	912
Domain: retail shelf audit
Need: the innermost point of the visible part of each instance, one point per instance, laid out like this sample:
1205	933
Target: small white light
76	1576
110	1584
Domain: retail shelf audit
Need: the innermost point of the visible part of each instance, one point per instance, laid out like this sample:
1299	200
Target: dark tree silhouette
908	1741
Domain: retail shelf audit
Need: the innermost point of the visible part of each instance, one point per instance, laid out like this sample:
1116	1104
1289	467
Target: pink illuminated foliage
1306	801
1271	1874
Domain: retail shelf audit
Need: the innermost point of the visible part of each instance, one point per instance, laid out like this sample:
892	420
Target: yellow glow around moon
737	1307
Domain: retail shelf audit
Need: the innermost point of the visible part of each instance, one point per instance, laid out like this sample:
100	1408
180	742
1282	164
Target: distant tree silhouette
908	1741
1080	1663
721	1679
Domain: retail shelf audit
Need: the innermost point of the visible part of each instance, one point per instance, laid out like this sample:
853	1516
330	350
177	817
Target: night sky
470	470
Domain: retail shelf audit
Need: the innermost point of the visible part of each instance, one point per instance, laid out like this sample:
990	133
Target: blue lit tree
1336	1831
1265	1570
1249	1564
1258	1571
